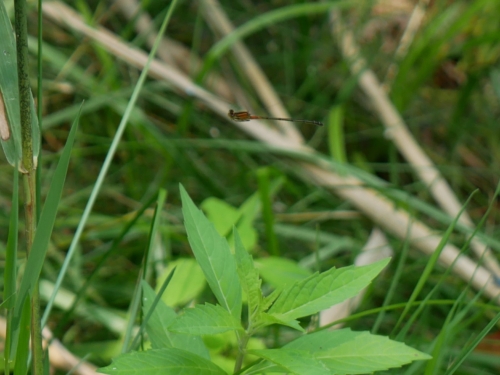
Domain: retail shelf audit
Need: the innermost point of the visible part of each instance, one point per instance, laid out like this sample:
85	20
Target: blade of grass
22	339
112	251
152	308
444	276
440	342
267	211
46	224
107	162
162	194
394	283
10	273
430	265
336	134
469	348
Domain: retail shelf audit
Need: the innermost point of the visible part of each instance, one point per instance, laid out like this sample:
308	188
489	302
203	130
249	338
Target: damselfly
246	116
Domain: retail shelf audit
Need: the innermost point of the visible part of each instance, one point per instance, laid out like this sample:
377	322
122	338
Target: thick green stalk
27	163
24	83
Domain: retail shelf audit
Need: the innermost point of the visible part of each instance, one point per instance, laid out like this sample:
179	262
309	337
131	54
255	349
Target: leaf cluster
176	339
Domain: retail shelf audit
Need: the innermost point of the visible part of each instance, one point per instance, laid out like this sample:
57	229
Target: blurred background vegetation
445	85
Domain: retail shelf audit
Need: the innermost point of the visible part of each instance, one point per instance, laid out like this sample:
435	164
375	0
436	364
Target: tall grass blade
430	265
46	223
109	157
10	273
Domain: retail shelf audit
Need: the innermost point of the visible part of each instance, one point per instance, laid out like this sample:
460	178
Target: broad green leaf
320	291
346	352
205	320
161	362
186	284
249	276
342	352
157	327
213	255
279	272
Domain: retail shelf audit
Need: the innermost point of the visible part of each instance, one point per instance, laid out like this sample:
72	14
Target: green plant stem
28	166
39	104
241	352
24	83
30	213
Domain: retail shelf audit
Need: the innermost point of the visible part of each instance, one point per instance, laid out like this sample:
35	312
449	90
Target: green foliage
158	330
214	257
324	352
161	362
339	352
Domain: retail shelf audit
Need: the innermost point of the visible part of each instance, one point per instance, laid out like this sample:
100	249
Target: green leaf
320	291
342	352
186	284
213	255
249	276
205	320
157	327
161	362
